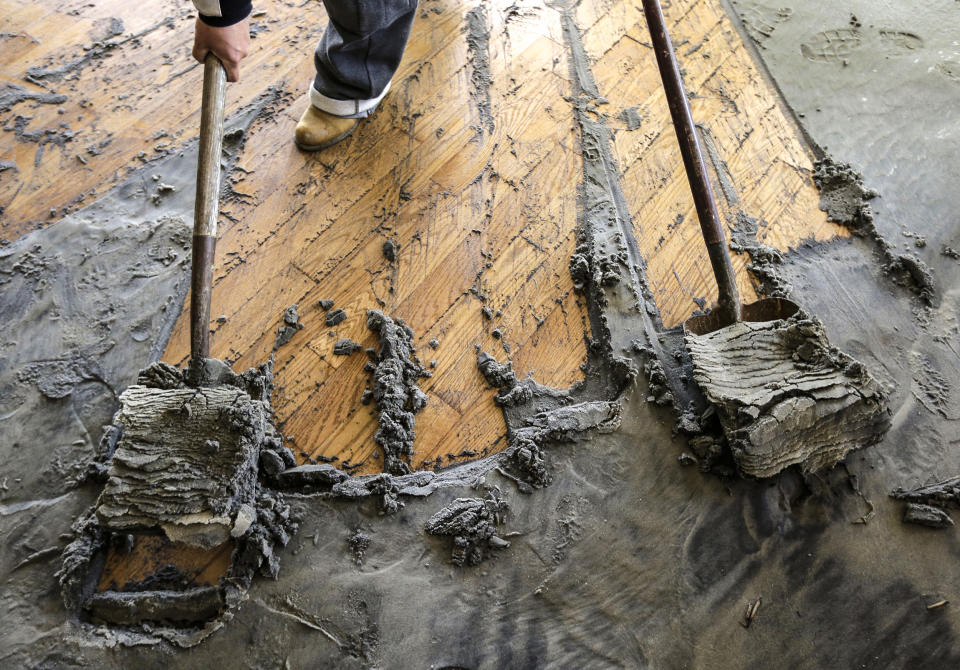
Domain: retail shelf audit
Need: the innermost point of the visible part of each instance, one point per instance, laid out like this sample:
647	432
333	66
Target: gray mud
14	94
786	397
625	559
472	523
477	30
395	370
184	452
874	92
291	324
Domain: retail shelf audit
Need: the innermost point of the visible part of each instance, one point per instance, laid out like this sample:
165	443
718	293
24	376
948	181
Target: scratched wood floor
482	198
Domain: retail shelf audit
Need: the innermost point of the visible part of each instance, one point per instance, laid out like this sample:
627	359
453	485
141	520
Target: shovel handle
728	299
206	205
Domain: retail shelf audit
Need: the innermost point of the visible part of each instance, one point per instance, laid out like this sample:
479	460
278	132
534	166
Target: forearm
222	13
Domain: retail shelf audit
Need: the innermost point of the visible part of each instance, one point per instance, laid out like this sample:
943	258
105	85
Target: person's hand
230	44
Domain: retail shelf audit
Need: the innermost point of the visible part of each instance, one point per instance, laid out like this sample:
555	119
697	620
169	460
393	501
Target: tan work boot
318	130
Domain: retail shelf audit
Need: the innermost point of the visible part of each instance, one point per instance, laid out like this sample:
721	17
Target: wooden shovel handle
728	299
206	205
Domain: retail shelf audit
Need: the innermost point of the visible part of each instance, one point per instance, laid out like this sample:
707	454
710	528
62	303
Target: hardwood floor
471	165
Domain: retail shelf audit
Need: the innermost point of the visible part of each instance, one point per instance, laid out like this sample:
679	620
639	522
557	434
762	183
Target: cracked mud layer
183	454
622	539
785	396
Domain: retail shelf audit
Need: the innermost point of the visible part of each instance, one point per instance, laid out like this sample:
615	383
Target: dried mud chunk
941	494
291	324
346	347
335	317
926	515
784	396
390	248
471	522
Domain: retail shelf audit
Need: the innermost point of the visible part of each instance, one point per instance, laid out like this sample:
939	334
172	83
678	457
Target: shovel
186	461
783	395
728	309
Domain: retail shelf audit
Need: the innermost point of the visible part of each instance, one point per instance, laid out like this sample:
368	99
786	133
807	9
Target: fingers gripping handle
207	204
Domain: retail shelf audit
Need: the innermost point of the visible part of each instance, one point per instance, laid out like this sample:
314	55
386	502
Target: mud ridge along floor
517	198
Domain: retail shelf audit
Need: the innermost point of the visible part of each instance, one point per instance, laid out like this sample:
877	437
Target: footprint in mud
760	20
950	70
832	46
898	43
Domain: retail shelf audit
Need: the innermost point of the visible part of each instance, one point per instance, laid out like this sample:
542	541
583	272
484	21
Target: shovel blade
766	309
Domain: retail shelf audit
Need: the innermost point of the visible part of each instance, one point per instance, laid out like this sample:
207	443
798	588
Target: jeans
359	53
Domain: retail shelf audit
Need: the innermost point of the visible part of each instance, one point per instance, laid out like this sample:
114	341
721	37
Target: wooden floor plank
769	169
484	211
429	184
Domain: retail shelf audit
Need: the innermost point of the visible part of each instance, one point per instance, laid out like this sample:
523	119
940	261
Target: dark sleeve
231	11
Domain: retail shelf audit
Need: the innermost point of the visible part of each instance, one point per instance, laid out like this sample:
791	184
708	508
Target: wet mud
395	370
472	523
477	28
187	451
614	535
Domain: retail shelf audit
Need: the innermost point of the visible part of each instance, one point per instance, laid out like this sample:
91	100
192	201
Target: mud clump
187	460
359	542
395	369
346	347
926	515
927	505
511	392
845	199
184	456
390	249
291	324
472	523
843	195
784	396
335	317
563	424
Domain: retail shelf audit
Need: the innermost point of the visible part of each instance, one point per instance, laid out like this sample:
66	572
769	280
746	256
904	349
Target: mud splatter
40	75
845	199
478	50
13	94
395	370
631	116
472	523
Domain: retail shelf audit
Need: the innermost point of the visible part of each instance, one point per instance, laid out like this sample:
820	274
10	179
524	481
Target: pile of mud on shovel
184	520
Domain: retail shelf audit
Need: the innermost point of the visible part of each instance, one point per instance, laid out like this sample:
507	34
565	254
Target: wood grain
484	218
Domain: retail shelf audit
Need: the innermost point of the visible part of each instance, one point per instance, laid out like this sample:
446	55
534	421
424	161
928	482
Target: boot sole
328	143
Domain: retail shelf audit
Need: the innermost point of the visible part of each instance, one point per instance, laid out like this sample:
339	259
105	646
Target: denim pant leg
358	54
